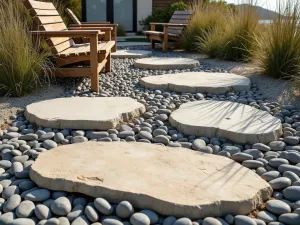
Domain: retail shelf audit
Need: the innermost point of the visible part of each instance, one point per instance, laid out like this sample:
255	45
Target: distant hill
263	13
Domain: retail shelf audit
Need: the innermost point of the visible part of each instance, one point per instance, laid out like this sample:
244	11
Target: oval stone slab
238	122
198	82
170	181
84	112
168	63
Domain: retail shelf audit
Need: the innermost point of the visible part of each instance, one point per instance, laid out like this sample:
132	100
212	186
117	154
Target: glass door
123	13
96	11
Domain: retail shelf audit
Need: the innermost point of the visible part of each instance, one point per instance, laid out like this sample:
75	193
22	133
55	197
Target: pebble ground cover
23	203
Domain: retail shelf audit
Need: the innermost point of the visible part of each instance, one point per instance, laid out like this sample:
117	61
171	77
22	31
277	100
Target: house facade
128	13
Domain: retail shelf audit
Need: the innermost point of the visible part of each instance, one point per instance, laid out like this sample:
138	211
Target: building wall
144	9
164	3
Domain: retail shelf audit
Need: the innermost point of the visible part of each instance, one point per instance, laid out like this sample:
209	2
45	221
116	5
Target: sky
270	4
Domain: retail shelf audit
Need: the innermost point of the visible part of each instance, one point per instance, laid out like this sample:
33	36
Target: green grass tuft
21	62
277	49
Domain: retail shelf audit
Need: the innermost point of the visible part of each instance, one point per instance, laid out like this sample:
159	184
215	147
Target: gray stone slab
170	181
84	112
166	63
237	122
197	82
131	54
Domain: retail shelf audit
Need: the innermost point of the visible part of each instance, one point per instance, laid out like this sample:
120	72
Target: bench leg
94	64
95	79
108	64
152	44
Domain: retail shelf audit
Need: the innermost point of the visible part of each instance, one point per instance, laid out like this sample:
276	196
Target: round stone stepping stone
156	63
145	177
238	122
84	112
133	54
198	82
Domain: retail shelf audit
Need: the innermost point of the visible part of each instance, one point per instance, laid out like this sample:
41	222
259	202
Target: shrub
162	15
277	50
120	30
21	63
206	17
239	30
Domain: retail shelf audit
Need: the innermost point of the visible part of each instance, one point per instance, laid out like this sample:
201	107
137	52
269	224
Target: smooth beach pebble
61	206
139	219
124	209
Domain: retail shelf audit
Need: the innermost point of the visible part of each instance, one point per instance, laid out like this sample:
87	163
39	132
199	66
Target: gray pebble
211	221
91	213
25	209
152	215
61	206
38	195
278	207
140	219
243	220
12	203
103	206
290	219
124	209
280	183
292	193
42	212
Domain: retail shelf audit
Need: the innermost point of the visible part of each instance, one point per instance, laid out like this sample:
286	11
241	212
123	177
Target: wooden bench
78	23
72	60
172	30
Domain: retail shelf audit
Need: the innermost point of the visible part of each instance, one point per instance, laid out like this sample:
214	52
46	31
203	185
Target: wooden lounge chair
72	60
78	23
172	30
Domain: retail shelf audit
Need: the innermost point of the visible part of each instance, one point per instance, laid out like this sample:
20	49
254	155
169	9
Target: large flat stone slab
171	181
237	122
133	54
197	82
83	112
165	63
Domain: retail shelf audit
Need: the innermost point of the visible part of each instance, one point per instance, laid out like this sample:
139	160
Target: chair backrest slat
47	18
73	16
180	17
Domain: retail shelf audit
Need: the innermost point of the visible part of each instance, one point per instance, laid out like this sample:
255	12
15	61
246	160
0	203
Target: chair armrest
106	30
90	28
94	25
77	33
170	24
95	22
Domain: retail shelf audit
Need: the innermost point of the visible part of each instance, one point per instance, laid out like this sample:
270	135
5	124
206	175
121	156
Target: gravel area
278	162
10	106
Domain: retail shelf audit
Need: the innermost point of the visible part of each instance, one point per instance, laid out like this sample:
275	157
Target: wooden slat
54	27
73	16
49	19
41	12
183	21
84	49
65	44
38	5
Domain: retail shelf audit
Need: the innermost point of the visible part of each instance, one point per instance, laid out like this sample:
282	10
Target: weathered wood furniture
72	60
172	30
78	23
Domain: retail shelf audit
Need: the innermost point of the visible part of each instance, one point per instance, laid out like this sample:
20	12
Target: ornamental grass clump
277	50
205	19
22	62
234	40
238	36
